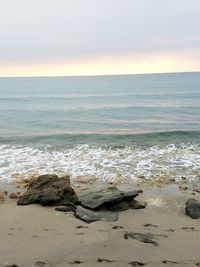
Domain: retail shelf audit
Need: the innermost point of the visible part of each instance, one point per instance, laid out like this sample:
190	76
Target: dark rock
143	237
67	208
92	216
192	208
104	198
125	205
49	190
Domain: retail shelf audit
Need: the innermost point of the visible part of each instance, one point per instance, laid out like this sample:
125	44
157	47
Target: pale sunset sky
92	37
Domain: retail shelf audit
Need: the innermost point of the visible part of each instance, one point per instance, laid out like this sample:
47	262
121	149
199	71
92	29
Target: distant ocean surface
127	126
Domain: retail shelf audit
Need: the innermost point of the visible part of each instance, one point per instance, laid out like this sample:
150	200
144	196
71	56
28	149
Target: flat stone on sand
92	216
99	199
144	237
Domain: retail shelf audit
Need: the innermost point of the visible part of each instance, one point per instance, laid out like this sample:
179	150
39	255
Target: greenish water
107	126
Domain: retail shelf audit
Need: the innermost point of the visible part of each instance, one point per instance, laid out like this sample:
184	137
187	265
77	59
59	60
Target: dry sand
40	236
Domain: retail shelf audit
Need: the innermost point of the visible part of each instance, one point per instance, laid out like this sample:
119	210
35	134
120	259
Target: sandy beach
40	236
100	133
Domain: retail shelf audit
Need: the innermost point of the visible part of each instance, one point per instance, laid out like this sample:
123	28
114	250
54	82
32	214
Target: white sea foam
105	163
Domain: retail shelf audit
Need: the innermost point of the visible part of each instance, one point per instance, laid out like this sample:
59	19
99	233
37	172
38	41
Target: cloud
52	32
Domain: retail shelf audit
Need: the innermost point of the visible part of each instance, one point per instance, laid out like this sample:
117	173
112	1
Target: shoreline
40	236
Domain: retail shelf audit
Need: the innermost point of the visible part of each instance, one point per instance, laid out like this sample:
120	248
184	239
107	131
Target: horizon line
96	75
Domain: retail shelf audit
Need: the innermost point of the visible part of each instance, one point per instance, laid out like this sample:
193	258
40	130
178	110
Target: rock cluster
104	204
91	206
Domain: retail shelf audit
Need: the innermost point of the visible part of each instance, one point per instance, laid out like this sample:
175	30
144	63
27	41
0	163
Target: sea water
127	126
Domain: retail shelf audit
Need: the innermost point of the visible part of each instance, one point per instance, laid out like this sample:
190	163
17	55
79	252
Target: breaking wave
106	162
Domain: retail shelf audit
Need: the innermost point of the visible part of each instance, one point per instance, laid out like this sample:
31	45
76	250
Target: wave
64	97
108	138
127	163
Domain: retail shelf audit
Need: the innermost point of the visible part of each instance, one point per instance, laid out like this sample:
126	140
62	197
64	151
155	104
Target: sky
95	37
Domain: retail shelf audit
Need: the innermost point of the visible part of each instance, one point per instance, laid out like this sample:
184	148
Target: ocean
127	126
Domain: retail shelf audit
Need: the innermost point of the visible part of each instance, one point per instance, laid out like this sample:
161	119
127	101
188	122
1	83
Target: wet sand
40	236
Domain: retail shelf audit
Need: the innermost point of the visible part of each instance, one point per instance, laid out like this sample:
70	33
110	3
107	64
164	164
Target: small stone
192	208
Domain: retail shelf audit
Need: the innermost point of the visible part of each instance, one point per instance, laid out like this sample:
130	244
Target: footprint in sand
150	225
117	227
189	228
40	263
75	262
137	263
170	230
170	262
81	226
104	260
80	233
